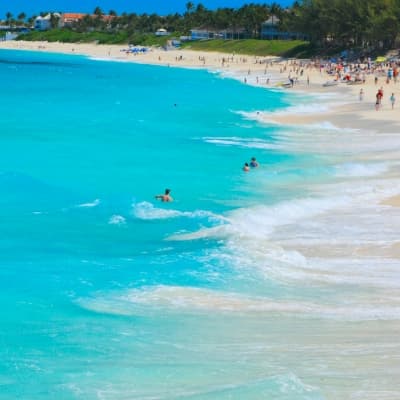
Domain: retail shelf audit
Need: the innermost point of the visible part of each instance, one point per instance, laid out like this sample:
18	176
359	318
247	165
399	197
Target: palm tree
98	11
54	20
21	18
251	16
189	6
188	15
31	20
201	15
8	16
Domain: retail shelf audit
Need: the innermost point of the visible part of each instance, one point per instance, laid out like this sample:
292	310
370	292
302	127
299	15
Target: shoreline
253	70
343	108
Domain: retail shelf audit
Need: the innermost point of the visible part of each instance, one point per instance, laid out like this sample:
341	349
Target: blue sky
161	7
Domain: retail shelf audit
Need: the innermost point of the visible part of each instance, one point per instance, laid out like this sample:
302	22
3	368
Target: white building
42	23
162	32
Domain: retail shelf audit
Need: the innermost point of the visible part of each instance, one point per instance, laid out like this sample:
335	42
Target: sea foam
147	211
197	300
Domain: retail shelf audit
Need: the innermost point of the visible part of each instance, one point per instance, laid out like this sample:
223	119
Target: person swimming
246	167
166	197
253	163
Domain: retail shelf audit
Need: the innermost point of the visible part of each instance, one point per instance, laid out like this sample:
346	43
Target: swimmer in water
166	197
253	163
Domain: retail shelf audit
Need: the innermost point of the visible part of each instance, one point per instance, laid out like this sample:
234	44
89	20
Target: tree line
247	18
346	23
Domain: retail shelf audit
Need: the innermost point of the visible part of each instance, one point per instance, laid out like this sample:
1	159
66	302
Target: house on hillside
162	32
210	33
201	34
234	33
106	18
270	30
68	19
45	23
42	23
11	33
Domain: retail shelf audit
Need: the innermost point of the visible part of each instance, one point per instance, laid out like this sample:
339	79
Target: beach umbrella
380	59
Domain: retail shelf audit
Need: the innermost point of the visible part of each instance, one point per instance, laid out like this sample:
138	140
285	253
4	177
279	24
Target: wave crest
147	211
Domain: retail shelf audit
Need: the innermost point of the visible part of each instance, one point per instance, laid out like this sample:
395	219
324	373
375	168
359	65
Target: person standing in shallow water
246	167
166	197
392	100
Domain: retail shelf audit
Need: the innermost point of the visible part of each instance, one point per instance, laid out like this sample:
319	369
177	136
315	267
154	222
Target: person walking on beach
392	100
361	94
377	103
379	97
166	197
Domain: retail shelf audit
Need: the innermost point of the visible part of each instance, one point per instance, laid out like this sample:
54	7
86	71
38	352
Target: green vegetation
283	48
331	26
357	23
70	36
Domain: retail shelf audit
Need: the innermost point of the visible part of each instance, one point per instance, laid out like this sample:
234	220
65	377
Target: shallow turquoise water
106	293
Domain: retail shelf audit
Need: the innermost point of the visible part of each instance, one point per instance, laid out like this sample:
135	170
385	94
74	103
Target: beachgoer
246	167
166	197
361	94
379	97
377	103
392	100
253	163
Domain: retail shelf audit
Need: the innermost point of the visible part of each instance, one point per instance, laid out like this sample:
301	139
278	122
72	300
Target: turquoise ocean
259	285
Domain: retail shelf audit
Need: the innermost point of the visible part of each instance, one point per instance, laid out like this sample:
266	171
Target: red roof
73	15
